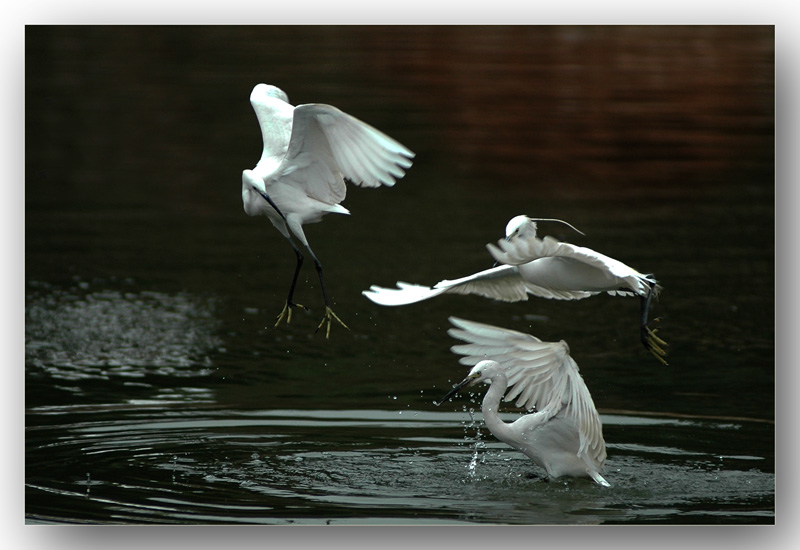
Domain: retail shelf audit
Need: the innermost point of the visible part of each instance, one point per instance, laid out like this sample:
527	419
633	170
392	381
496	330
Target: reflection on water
158	390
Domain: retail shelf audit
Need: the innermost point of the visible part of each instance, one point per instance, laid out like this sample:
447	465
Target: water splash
80	334
478	446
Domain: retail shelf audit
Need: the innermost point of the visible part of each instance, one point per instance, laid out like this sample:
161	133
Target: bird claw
329	315
653	343
286	313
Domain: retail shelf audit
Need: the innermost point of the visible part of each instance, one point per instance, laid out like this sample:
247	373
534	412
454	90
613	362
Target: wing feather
309	162
363	155
499	283
374	158
404	294
330	143
371	161
523	250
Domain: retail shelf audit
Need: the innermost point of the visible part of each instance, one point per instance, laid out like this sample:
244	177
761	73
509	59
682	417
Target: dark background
657	142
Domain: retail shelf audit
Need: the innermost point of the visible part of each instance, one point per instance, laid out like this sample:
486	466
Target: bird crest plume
558	221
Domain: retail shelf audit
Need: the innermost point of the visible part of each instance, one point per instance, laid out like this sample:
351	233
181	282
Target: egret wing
498	283
540	374
328	145
366	156
404	294
521	250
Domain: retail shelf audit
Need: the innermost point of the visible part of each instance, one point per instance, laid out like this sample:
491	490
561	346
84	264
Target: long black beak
455	390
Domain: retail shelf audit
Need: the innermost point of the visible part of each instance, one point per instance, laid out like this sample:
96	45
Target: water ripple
367	466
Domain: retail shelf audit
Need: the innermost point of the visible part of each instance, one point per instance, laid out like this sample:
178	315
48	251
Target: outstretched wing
498	283
404	294
328	145
520	250
540	374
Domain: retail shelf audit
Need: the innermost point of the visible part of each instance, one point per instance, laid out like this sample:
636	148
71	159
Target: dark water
158	391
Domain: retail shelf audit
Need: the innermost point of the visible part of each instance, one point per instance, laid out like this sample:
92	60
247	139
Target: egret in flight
545	268
564	436
309	150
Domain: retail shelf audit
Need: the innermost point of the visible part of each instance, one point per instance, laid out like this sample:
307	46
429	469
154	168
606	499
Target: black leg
298	265
645	301
287	308
318	265
329	314
650	340
286	313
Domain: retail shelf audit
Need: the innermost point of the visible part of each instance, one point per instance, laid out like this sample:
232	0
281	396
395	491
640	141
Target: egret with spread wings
564	436
545	268
309	152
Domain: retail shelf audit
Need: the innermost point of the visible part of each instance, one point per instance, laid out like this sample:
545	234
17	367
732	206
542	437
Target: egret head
525	227
482	372
520	226
262	91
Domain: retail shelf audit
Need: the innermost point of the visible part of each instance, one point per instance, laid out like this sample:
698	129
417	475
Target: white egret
309	150
545	268
564	436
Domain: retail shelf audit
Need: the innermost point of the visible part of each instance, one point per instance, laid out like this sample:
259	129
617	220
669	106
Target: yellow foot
329	315
654	344
287	313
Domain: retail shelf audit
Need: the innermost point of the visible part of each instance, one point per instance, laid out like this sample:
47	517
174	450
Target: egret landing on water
545	268
309	151
564	436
